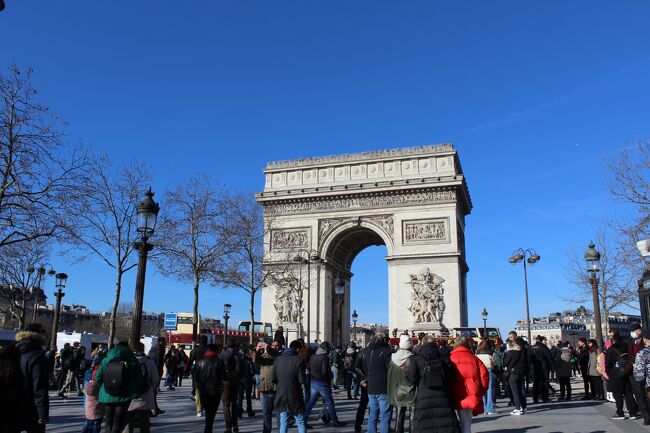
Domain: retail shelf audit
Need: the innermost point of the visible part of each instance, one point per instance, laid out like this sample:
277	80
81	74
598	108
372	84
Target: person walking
377	360
35	375
432	373
140	408
563	369
230	391
246	383
542	364
195	356
320	372
265	356
288	374
336	358
209	374
642	369
171	364
401	392
516	365
619	367
470	384
120	379
157	355
595	378
363	386
486	355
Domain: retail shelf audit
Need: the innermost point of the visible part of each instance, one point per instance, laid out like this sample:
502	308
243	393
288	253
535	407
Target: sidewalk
558	417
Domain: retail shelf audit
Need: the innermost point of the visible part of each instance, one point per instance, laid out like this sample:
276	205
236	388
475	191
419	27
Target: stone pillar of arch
413	201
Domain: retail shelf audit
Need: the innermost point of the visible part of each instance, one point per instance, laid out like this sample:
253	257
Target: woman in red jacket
470	385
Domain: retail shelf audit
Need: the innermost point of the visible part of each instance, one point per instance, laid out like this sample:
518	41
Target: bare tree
103	219
18	281
630	185
193	235
38	173
614	290
244	267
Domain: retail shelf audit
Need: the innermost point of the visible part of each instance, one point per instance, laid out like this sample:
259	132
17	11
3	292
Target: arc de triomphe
413	200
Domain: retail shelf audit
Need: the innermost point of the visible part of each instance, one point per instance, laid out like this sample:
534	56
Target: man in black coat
289	375
376	362
196	355
66	362
157	355
209	374
231	361
583	363
542	363
34	367
320	372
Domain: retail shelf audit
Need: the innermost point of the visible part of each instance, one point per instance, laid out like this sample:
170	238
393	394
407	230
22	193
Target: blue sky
535	96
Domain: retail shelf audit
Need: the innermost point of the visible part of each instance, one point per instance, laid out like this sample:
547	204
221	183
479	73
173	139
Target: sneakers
635	416
619	417
199	414
516	412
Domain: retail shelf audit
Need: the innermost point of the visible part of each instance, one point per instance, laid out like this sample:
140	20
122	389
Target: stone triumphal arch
328	209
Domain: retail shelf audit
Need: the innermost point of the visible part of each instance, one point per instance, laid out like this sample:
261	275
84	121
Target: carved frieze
324	204
288	302
385	222
425	231
327	225
427	297
290	239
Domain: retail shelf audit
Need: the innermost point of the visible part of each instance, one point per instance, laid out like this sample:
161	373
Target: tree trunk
118	290
605	309
23	314
195	317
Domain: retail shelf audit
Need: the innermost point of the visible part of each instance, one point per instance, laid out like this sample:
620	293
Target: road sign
171	321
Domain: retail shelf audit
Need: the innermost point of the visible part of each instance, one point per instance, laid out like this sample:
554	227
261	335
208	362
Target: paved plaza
562	417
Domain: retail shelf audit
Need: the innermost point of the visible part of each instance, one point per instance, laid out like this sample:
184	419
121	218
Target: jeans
516	382
268	404
488	404
245	389
284	422
170	380
350	378
321	389
92	426
465	418
335	377
361	410
379	408
116	416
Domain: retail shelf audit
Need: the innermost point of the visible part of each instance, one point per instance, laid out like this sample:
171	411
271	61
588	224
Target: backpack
434	377
348	363
116	377
623	366
232	368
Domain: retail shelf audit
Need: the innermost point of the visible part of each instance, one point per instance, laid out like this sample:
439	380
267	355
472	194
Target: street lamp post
355	316
644	284
529	256
312	257
592	257
61	279
339	289
226	316
484	314
41	273
147	212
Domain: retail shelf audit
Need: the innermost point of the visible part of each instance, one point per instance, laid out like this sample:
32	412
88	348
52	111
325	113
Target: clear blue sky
534	96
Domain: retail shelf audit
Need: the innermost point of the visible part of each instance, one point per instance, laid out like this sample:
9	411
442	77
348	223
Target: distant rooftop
363	156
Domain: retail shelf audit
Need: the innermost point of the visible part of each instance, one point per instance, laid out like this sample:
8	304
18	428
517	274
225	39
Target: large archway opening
356	254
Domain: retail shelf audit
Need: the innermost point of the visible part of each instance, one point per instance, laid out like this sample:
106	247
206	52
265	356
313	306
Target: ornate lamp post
644	284
312	257
529	256
592	257
61	279
339	289
355	316
226	316
147	216
41	273
484	314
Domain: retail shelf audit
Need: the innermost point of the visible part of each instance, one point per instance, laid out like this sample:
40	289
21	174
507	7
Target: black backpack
116	377
623	366
434	377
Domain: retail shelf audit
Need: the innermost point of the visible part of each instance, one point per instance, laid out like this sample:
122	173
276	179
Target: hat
646	334
583	339
635	326
405	342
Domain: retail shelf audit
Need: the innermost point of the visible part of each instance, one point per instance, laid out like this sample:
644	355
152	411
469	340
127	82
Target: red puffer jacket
471	382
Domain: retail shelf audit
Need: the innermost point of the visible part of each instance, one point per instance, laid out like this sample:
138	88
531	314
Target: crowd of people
423	384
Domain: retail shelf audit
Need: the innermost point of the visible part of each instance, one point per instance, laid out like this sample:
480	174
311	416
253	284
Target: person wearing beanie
401	392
